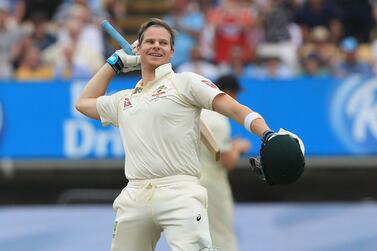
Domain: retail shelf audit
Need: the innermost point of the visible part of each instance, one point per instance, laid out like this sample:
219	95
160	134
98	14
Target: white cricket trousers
176	205
220	208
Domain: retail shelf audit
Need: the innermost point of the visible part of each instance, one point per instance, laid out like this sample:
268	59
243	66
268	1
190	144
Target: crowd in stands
264	39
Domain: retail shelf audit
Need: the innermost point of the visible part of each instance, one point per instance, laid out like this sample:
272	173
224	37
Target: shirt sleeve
107	108
198	90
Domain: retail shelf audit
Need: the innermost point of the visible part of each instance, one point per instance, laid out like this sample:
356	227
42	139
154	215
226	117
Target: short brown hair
159	23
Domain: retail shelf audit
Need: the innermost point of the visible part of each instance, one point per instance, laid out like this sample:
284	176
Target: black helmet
281	160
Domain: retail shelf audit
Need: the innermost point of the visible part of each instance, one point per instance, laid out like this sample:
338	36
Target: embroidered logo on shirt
159	91
209	83
138	89
127	103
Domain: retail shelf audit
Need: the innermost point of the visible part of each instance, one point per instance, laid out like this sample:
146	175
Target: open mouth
155	54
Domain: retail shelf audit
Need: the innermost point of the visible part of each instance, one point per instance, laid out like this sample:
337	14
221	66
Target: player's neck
147	75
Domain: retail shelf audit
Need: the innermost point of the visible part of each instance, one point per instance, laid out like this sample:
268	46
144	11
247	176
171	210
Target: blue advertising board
333	117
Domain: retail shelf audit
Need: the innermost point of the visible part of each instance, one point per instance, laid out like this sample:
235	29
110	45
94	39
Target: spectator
41	36
76	54
93	6
48	8
17	9
319	13
31	66
272	67
357	19
206	5
351	64
116	9
231	21
373	45
320	47
198	65
281	35
10	37
90	34
311	67
275	22
236	64
188	22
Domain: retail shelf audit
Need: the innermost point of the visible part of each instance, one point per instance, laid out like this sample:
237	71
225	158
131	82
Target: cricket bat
206	135
208	140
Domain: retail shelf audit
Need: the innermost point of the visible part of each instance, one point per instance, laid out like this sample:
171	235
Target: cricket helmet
281	160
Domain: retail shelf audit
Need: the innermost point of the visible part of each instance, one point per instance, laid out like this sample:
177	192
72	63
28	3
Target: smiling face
155	48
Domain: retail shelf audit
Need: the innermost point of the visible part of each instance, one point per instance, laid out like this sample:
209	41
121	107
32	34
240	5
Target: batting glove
134	46
267	135
120	61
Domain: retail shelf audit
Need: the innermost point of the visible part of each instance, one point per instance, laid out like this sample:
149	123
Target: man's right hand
120	61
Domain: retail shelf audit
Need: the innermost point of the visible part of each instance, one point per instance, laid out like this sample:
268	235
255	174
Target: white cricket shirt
159	126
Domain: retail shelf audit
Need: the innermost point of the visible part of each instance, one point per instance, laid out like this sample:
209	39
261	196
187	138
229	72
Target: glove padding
281	158
134	46
120	61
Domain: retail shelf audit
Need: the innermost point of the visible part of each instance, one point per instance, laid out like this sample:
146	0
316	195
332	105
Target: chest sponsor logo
353	114
209	83
127	104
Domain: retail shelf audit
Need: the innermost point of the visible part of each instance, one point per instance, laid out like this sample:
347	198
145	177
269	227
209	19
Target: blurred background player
215	174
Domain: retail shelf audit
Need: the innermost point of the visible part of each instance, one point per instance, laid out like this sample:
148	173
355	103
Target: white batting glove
134	46
130	62
120	61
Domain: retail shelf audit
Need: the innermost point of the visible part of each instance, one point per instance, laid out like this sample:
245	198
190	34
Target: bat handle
118	37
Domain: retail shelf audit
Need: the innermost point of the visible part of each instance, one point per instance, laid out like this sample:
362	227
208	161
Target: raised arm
96	87
230	108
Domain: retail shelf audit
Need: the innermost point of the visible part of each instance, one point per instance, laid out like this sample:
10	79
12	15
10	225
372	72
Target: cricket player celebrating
158	121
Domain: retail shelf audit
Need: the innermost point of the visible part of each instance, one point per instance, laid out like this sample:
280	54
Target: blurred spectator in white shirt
78	51
272	67
198	65
90	34
94	6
